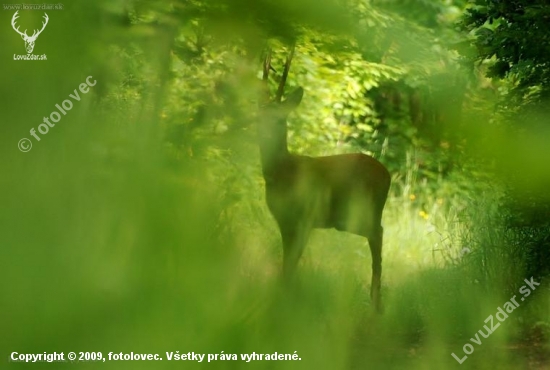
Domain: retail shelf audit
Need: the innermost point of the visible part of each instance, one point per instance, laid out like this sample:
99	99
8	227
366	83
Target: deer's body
346	192
320	190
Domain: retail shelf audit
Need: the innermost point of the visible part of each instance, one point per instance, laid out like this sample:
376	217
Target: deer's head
275	113
29	40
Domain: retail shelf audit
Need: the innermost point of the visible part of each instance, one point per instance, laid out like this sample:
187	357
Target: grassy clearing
438	284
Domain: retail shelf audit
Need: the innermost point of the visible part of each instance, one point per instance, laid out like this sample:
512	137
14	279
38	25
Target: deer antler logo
29	40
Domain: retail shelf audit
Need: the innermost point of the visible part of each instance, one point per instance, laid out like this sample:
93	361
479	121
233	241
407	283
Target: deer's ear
294	98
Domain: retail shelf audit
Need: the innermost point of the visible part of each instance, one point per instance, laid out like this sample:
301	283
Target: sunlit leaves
516	34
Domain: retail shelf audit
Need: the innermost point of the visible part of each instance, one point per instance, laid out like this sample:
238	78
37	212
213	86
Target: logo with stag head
29	40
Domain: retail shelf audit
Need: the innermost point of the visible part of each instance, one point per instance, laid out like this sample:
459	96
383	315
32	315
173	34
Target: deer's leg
294	241
375	243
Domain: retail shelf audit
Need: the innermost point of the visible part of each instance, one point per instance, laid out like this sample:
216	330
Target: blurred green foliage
138	222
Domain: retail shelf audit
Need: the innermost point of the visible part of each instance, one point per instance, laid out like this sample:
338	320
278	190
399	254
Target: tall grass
113	240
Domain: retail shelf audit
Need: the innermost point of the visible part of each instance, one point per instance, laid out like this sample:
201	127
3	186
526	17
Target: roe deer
346	192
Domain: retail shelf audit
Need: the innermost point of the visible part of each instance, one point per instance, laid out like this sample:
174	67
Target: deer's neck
273	154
